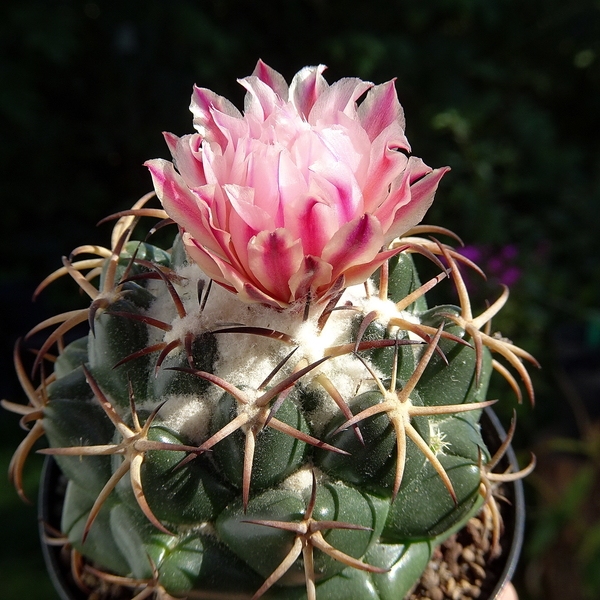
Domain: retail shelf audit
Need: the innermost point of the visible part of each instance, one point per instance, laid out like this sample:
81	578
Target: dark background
506	92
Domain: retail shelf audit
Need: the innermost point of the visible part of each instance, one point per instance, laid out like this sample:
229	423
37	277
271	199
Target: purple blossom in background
471	252
500	265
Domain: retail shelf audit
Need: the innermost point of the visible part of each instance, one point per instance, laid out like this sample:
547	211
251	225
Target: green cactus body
218	435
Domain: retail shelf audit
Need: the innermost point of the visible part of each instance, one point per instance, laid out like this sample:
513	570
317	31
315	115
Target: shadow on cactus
269	407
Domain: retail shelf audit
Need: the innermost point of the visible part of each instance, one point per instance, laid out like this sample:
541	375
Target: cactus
230	440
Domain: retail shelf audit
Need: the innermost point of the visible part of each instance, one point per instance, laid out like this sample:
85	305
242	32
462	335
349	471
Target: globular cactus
281	433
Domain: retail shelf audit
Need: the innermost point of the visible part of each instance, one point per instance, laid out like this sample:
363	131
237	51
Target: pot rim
518	502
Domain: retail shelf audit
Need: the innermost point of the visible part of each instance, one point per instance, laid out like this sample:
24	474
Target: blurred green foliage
505	92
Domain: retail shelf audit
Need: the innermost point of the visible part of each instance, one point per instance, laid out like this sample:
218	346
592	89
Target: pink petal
227	276
380	108
342	147
204	102
187	156
360	273
272	78
292	188
422	193
242	202
189	209
386	164
234	168
261	100
251	293
312	220
231	127
263	164
273	258
339	97
212	161
399	195
224	273
339	189
313	274
171	140
177	199
355	243
349	142
306	150
308	84
209	262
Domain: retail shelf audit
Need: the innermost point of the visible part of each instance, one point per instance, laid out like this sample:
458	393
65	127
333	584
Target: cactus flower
302	192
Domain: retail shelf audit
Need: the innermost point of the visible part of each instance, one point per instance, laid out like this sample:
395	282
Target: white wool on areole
204	528
195	323
162	308
189	414
301	481
250	408
386	310
247	359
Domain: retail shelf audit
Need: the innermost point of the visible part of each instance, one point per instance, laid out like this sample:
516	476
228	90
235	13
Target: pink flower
300	193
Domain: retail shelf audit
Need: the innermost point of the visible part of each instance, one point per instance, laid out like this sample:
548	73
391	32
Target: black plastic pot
513	514
53	487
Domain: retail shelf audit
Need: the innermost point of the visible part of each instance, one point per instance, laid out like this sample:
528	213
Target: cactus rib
308	536
132	448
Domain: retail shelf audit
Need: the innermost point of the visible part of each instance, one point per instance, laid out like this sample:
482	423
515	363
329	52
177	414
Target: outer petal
189	209
274	258
386	164
250	293
380	109
357	242
272	78
308	84
171	140
339	97
359	273
187	156
176	197
422	192
217	268
226	276
209	262
203	103
260	100
314	273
